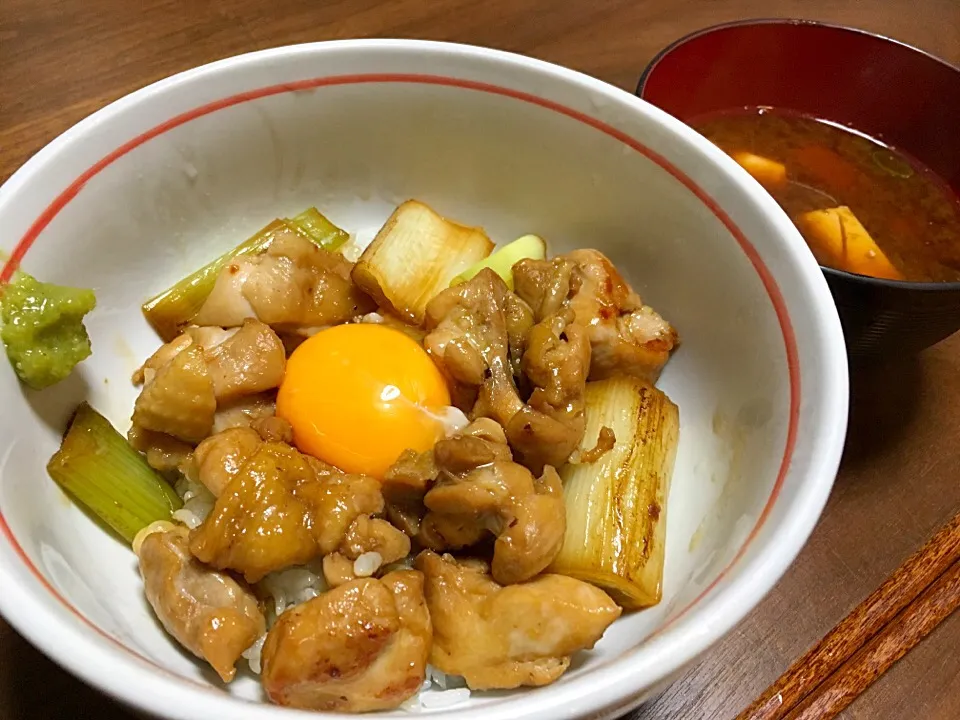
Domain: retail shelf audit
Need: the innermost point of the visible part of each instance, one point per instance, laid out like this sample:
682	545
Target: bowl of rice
159	182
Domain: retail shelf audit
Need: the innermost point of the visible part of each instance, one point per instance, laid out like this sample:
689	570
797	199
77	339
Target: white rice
439	690
252	654
197	503
285	589
367	564
290	587
351	249
452	419
443	681
444	698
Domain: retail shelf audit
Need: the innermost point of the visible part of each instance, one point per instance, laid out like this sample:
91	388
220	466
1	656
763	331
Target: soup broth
862	206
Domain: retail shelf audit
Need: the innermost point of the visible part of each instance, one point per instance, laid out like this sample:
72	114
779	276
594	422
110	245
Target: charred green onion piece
323	232
502	261
96	465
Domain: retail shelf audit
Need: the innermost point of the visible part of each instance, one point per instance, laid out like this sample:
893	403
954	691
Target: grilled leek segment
96	465
528	247
415	255
616	505
169	311
323	232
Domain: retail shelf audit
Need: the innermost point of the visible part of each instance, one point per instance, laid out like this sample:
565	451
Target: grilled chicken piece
626	336
273	429
360	647
218	459
475	344
373	535
281	508
292	286
480	491
369	545
208	612
556	362
504	637
189	378
337	570
404	485
164	354
519	320
339	498
250	360
243	411
164	453
178	399
468	340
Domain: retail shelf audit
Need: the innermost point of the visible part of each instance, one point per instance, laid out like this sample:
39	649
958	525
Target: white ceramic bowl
148	188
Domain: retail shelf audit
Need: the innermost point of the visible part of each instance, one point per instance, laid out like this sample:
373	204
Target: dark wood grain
865	621
894	641
62	59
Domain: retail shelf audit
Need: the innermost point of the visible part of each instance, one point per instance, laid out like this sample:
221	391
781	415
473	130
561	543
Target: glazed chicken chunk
208	612
293	286
626	336
187	380
360	647
404	485
178	399
369	544
243	411
480	490
505	637
556	362
470	339
218	459
280	508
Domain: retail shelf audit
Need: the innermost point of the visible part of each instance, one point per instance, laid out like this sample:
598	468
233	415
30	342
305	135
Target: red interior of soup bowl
882	87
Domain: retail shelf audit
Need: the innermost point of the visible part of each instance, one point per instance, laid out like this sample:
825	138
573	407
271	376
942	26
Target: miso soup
862	206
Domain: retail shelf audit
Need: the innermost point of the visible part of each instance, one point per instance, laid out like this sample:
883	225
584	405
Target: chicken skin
208	612
504	637
626	336
480	490
281	508
477	330
203	371
293	286
360	647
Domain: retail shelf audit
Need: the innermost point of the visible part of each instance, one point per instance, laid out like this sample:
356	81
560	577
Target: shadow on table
884	398
31	686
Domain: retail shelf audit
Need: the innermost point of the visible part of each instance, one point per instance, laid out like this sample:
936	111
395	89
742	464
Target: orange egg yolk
357	396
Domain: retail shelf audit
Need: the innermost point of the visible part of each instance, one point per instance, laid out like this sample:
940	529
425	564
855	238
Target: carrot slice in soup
765	171
838	240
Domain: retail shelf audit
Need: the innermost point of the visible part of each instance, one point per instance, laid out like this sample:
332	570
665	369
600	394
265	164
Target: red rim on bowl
766	277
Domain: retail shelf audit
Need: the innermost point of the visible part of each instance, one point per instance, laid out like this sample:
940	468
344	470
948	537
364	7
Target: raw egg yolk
357	396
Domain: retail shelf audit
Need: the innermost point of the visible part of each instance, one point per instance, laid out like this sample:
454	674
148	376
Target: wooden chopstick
866	620
886	647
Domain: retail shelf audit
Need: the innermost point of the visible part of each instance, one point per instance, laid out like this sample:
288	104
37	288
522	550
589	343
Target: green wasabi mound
42	329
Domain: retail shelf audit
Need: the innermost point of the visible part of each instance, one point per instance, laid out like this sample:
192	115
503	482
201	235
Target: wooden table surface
62	59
